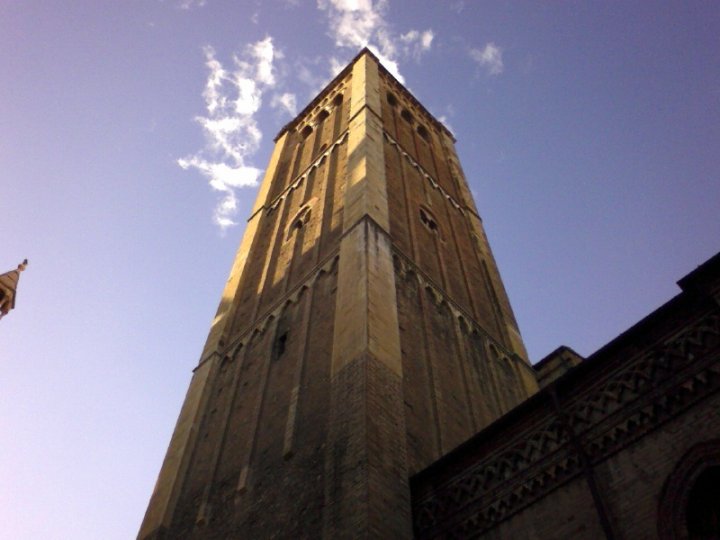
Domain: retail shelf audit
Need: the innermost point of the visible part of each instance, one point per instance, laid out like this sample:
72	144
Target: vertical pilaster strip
507	322
291	425
204	511
222	322
366	189
257	410
367	492
463	270
466	377
435	393
177	459
160	510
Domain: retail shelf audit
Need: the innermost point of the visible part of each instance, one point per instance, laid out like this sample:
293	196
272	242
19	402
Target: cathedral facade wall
625	445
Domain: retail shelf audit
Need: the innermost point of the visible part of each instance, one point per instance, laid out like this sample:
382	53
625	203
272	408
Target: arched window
337	100
423	132
322	115
690	501
703	507
405	114
306	131
298	222
391	99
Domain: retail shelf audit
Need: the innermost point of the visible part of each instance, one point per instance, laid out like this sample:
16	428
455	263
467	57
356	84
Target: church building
364	376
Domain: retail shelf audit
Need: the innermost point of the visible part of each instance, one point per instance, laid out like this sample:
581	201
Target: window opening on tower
428	221
322	115
299	221
280	345
423	132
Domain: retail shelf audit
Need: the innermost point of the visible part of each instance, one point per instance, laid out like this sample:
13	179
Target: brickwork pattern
242	466
313	403
626	403
368	489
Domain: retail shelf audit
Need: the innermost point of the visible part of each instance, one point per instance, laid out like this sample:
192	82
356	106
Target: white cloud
232	99
286	101
490	58
336	66
415	43
426	39
391	65
445	122
354	24
191	4
264	53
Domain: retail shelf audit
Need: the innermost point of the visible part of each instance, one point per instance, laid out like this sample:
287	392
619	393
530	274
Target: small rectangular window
280	345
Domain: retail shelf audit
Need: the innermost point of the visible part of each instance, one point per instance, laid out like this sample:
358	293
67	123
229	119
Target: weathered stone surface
362	333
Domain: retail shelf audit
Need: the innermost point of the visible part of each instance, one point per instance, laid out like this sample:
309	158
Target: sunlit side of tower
364	332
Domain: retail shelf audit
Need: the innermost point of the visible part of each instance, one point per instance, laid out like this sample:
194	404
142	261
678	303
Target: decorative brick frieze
261	324
303	176
632	399
406	269
433	183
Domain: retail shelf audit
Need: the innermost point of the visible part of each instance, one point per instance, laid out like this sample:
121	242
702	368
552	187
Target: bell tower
364	332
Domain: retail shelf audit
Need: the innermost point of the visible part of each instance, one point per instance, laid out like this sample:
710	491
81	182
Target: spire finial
22	265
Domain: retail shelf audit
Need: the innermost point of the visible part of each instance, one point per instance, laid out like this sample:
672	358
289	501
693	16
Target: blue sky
132	135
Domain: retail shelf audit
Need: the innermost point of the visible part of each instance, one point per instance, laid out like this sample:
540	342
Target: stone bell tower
364	332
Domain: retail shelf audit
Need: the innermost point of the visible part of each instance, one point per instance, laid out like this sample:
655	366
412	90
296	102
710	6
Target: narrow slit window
280	345
428	221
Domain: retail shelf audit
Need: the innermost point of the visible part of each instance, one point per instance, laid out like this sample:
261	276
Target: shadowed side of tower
363	332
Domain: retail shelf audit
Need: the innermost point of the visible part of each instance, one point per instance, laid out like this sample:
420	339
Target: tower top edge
340	76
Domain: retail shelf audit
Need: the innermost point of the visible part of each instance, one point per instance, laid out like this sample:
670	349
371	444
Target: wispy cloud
286	102
232	98
489	58
234	92
354	24
415	43
191	4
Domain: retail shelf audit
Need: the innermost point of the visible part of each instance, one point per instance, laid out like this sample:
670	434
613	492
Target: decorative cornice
337	84
262	323
303	176
433	183
644	392
407	269
397	85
